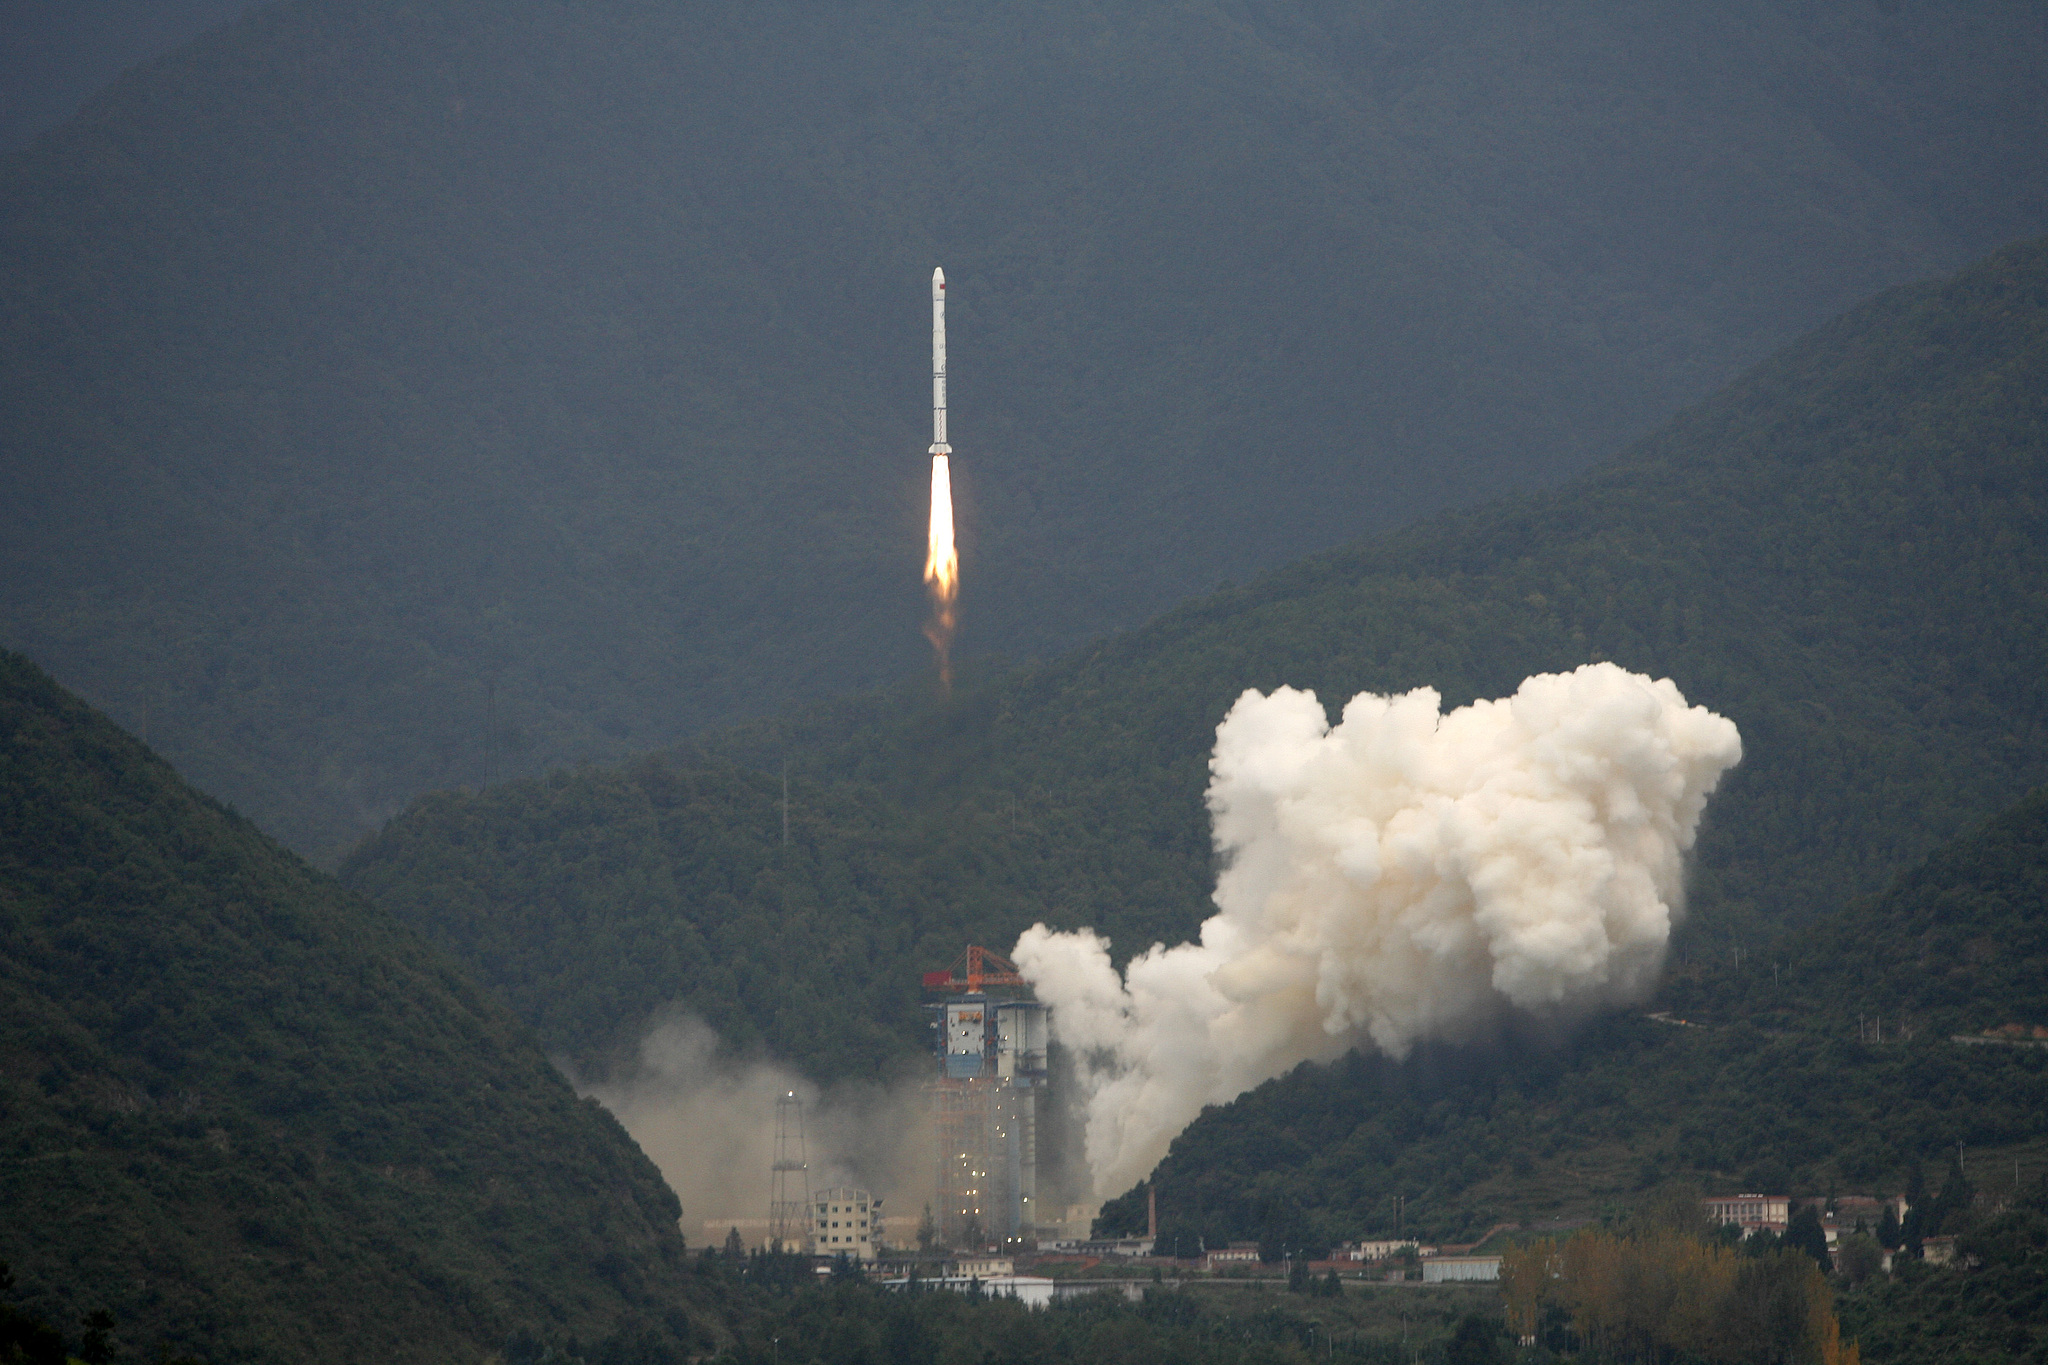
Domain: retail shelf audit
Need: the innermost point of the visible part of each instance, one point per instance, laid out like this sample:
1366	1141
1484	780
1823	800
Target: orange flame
942	569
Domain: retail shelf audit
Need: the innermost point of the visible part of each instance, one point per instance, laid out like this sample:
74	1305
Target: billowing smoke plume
708	1122
1404	875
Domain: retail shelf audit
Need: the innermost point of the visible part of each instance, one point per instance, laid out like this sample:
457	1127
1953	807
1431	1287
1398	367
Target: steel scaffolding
789	1206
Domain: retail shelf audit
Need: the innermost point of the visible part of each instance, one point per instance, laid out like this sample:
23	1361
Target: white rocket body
939	446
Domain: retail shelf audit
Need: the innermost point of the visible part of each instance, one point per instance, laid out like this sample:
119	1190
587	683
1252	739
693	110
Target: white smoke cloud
1404	875
707	1121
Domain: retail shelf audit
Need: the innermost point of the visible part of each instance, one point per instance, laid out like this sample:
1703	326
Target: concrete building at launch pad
985	1096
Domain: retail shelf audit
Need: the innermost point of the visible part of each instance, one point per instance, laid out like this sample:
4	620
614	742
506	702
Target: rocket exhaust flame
942	568
942	560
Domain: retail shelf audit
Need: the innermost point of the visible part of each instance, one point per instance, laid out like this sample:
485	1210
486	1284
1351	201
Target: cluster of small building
1840	1216
1387	1258
847	1222
988	1080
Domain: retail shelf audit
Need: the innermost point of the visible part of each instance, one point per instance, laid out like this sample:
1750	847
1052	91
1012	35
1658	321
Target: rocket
939	446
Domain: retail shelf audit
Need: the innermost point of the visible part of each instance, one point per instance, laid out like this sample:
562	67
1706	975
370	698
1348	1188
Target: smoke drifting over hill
708	1121
1403	875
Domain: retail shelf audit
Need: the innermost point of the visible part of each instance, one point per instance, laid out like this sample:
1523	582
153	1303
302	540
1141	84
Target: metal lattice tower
789	1207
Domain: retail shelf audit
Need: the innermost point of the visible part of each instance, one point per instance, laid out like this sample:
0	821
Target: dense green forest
1958	944
1774	1079
399	393
1991	1312
252	1118
590	900
1844	552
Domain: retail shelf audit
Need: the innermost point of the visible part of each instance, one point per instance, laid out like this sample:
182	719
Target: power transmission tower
789	1207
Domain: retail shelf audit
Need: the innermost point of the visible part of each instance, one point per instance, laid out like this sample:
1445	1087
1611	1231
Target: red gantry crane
984	969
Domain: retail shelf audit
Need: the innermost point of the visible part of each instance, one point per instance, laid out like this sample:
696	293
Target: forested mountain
396	393
1844	552
591	900
1958	944
257	1120
1783	1082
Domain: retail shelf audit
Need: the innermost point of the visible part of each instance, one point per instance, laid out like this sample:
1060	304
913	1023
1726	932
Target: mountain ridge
254	1117
400	396
1763	1075
1889	692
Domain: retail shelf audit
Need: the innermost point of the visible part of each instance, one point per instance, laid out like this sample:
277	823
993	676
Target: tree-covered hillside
397	393
591	900
1958	944
1784	1082
1844	552
257	1120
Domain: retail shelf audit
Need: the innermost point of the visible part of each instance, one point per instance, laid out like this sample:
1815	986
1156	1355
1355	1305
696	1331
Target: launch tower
789	1205
991	1070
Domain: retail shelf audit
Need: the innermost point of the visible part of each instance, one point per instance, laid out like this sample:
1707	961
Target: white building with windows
1751	1212
844	1221
1380	1250
984	1267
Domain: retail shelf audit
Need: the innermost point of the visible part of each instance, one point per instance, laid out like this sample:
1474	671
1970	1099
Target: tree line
1656	1297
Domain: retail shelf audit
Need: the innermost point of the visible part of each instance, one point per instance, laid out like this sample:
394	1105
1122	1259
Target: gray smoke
708	1122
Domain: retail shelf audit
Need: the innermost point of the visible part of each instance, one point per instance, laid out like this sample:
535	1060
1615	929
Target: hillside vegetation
1844	552
592	900
255	1119
402	394
1781	1085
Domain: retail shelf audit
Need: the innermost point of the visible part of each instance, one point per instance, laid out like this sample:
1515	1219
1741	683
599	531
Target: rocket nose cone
938	280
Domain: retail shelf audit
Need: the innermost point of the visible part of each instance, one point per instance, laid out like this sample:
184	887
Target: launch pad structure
789	1205
985	1098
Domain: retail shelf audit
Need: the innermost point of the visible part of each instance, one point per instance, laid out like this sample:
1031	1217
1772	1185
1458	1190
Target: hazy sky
54	53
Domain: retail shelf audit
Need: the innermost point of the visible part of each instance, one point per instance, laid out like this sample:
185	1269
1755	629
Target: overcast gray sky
54	53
